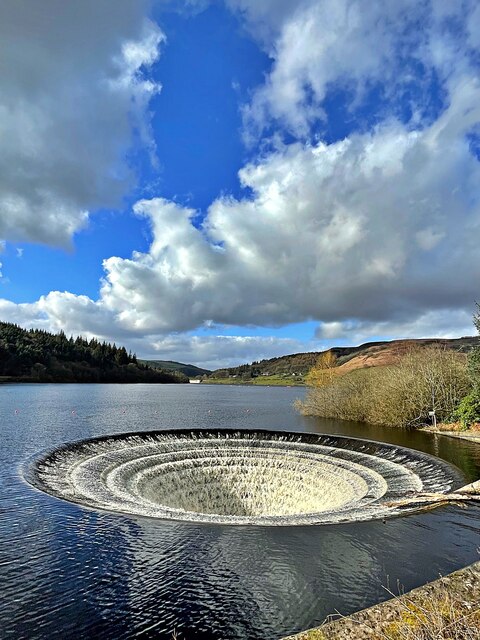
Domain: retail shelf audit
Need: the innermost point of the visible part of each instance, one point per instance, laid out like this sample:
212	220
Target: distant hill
374	354
38	356
189	370
348	358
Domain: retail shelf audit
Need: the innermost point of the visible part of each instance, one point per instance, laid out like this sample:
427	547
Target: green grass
289	381
263	381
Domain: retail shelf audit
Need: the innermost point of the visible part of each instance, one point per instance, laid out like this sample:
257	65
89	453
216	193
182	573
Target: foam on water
240	477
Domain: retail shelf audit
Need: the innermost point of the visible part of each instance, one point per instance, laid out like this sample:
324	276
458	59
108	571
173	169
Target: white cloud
372	235
72	86
78	315
214	352
26	315
319	45
380	228
59	311
442	323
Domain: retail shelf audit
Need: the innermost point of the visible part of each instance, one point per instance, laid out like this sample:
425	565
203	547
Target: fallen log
468	493
472	488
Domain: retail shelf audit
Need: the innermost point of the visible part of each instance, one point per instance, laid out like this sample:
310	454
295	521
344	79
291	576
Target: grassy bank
261	381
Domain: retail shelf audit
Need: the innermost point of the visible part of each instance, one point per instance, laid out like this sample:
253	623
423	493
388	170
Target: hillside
369	354
189	370
38	356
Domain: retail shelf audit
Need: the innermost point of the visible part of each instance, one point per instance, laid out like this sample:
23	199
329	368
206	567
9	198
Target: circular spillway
240	477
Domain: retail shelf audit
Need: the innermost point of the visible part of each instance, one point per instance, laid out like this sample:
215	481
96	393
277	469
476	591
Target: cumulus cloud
378	226
59	311
320	46
72	89
449	323
214	352
78	315
375	234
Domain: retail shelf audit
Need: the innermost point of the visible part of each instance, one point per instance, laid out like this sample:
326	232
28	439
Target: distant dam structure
241	477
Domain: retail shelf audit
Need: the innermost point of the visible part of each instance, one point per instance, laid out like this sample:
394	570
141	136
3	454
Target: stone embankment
378	622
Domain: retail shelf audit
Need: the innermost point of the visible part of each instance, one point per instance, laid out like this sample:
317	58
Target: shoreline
468	434
4	380
273	381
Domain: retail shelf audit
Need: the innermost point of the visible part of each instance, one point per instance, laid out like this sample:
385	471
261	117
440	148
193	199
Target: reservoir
72	571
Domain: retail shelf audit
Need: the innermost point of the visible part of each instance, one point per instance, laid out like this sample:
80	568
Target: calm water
66	571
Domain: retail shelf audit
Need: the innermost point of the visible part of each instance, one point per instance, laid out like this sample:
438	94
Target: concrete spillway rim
32	466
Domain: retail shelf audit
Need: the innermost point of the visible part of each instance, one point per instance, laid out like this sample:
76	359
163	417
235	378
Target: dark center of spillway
240	477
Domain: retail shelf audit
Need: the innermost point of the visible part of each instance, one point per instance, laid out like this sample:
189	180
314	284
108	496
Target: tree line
37	355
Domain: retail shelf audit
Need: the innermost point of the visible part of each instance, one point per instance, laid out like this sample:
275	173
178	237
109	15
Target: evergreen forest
36	355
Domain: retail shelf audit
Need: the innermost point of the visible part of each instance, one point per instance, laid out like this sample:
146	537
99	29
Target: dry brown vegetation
443	617
456	427
398	394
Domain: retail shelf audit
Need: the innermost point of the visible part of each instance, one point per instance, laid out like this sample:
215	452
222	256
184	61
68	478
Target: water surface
67	571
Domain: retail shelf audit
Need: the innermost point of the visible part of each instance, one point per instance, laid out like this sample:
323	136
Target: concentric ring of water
240	477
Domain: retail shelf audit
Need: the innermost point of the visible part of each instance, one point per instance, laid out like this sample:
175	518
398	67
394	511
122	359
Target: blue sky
218	182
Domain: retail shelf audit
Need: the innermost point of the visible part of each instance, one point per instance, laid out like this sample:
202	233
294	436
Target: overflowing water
240	477
71	571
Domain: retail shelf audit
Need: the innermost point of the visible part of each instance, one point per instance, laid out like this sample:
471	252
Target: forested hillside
368	354
38	356
189	370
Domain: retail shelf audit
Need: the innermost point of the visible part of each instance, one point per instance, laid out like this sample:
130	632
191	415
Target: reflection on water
71	572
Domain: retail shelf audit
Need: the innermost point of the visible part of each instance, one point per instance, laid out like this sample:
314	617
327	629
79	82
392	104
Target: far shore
260	381
20	380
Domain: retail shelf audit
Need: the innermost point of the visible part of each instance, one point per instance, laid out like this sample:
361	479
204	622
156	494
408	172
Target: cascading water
240	477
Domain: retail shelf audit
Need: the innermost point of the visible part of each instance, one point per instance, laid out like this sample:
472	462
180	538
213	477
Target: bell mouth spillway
240	477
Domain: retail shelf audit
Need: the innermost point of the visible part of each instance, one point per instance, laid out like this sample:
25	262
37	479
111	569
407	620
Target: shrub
401	394
468	411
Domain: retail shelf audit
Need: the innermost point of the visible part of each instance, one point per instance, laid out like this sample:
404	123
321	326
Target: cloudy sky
223	181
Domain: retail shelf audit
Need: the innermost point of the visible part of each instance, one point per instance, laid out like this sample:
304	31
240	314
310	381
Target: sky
217	182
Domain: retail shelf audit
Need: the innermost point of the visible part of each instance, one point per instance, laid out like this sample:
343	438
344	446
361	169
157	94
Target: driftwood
468	493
